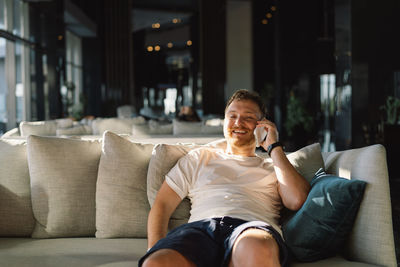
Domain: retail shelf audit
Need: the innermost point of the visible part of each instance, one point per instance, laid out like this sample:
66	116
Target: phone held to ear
260	133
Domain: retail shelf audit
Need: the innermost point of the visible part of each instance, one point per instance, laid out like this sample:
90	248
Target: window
2	14
74	73
17	17
19	87
328	92
3	86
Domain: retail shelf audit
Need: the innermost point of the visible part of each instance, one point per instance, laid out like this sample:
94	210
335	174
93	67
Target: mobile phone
260	134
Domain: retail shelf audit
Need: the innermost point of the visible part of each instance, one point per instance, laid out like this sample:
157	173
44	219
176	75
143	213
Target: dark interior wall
213	55
376	56
118	64
291	51
92	75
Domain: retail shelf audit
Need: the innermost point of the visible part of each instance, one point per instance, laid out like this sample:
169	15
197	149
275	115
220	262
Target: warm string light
175	20
157	48
156	25
268	15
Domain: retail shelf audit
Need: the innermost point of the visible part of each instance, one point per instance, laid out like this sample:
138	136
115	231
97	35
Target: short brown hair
244	94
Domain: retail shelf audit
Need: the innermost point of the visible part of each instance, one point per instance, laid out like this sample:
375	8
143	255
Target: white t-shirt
220	184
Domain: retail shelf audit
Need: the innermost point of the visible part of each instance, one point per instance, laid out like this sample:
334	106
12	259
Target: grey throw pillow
63	184
16	216
121	198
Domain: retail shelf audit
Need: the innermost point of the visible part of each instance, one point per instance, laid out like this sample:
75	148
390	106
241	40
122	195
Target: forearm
293	188
157	225
163	207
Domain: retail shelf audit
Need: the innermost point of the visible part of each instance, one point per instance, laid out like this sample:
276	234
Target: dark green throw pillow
320	228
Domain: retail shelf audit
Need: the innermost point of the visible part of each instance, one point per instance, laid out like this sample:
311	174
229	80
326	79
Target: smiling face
241	118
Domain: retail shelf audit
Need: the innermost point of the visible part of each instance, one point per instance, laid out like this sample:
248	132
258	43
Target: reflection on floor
395	197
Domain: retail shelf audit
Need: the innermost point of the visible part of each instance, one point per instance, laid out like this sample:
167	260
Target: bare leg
167	258
255	247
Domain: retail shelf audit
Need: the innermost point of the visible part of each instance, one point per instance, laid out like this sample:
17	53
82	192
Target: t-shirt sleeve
179	178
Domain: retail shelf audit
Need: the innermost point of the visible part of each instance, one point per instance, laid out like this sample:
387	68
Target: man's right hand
164	205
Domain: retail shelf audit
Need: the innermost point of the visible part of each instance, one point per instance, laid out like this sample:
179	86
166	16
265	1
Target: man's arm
293	187
164	205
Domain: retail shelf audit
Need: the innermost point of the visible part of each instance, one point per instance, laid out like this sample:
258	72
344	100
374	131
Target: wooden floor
395	197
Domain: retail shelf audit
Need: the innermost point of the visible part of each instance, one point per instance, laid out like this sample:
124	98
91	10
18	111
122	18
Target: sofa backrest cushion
75	130
371	240
121	197
307	160
116	125
16	216
163	159
186	127
63	185
64	123
42	128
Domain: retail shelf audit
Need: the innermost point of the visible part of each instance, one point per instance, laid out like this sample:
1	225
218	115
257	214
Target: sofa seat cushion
334	261
26	252
68	252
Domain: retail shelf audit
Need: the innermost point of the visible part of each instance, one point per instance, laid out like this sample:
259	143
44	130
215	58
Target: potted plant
299	123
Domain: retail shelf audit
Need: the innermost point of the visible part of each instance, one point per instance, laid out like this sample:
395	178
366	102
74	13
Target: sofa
138	126
84	202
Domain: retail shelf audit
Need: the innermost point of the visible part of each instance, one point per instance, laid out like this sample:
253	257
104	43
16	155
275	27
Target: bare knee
255	247
166	258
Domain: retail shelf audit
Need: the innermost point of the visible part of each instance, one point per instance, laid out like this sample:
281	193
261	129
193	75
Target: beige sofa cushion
372	237
307	160
43	128
163	159
63	184
116	125
186	127
64	123
16	216
76	130
121	198
156	127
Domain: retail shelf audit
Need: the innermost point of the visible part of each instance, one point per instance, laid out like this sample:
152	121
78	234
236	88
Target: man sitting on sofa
235	200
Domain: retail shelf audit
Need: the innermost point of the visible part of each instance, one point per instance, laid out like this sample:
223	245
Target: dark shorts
209	242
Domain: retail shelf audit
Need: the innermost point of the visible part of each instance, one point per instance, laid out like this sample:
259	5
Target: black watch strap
272	146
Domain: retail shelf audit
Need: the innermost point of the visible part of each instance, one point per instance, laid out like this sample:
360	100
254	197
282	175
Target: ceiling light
175	20
170	45
157	48
150	48
273	8
264	21
155	25
189	42
268	15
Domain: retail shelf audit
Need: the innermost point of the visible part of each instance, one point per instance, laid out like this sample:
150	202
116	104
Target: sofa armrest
11	133
372	239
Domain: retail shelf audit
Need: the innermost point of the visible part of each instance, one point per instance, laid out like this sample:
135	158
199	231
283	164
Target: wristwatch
272	146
